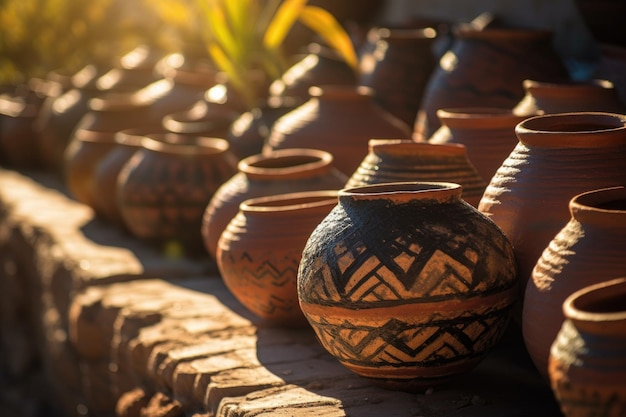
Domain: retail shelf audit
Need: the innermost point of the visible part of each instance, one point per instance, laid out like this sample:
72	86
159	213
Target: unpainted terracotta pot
398	68
406	284
280	172
587	250
338	119
163	189
259	252
558	156
390	160
18	140
94	137
486	68
488	134
588	358
567	97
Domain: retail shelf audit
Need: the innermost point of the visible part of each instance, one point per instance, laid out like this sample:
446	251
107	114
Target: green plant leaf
284	19
220	29
324	23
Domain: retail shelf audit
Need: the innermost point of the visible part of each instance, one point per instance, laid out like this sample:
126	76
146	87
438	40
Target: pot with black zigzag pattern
407	284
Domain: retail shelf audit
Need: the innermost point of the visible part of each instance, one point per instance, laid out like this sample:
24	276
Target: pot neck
403	192
599	308
603	207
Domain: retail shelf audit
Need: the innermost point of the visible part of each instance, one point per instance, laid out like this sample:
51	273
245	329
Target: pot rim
479	117
421	147
194	145
404	191
588	202
575	305
263	164
290	201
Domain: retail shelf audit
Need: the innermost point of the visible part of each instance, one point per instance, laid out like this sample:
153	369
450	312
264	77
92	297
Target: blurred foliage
38	36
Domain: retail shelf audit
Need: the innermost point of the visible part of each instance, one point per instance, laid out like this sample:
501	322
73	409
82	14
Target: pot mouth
286	161
578	129
384	33
591	85
604	301
479	117
341	91
291	201
608	200
406	190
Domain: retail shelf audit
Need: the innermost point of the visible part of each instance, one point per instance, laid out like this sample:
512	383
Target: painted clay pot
106	172
283	171
337	119
588	358
406	284
488	134
398	68
94	137
588	249
164	188
486	68
259	252
567	97
391	160
558	156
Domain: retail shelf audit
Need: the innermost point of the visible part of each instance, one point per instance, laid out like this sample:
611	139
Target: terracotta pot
321	65
94	137
398	68
488	133
587	359
486	68
248	133
406	284
18	140
588	249
567	97
284	171
558	156
259	251
337	119
59	116
135	70
106	172
164	188
391	160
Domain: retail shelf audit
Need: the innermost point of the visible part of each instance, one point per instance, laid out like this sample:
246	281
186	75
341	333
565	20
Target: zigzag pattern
401	344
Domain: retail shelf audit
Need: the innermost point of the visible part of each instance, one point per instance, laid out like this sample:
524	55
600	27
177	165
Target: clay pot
407	284
94	137
486	68
280	172
135	70
543	97
487	133
337	119
587	250
164	188
18	140
106	172
398	68
60	115
558	156
321	65
391	160
248	133
587	360
259	251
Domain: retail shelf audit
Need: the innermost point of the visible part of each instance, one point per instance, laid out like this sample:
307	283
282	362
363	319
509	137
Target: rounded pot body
398	68
587	365
337	119
588	249
398	273
391	160
164	188
486	68
283	171
259	252
488	134
558	156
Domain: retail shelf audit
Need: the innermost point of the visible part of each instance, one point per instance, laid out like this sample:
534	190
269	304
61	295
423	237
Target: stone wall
95	323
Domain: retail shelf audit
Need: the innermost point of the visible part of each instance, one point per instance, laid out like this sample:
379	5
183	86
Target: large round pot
407	284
